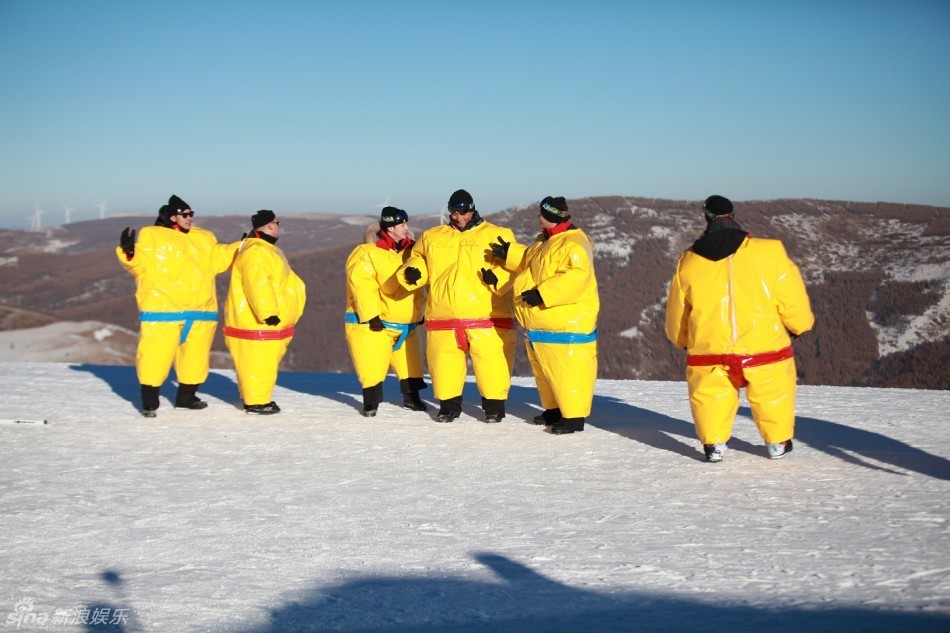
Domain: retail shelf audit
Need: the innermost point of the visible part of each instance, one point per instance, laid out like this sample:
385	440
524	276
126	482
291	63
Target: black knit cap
554	209
262	218
462	199
391	216
177	205
716	206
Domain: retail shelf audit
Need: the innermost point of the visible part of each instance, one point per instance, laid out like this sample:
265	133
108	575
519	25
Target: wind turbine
102	209
384	204
37	218
68	213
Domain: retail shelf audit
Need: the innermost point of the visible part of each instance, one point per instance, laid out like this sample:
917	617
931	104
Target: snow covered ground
320	520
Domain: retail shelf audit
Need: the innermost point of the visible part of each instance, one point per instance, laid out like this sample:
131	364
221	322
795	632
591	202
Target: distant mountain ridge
878	276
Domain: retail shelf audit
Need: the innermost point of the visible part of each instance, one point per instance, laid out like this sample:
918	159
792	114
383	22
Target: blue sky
336	106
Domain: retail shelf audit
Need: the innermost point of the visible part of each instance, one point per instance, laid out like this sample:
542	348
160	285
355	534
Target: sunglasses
461	210
186	214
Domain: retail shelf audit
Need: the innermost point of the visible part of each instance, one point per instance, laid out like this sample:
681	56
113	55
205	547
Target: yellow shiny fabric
174	271
262	285
450	262
746	303
372	290
561	267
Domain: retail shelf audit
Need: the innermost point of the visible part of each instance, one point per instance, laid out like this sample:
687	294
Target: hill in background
878	276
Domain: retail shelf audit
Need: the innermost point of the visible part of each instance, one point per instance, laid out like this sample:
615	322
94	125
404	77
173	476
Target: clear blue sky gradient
336	106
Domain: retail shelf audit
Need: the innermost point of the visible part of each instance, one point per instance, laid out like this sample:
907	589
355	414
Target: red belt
460	325
259	335
736	362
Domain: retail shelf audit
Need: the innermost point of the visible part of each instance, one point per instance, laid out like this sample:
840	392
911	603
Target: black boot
568	425
372	396
186	398
494	410
412	402
149	401
410	394
549	417
450	409
262	409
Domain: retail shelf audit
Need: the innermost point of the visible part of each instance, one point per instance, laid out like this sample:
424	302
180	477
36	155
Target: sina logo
23	614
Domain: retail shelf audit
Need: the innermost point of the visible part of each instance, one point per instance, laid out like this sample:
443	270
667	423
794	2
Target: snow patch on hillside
57	245
807	226
609	244
70	341
643	212
932	325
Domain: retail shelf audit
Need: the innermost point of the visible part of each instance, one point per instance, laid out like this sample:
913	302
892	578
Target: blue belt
188	316
404	328
542	336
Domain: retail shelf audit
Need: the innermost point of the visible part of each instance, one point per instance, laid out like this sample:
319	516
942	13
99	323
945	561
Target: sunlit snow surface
318	519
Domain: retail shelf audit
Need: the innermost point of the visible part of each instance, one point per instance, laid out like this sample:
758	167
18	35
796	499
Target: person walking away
174	264
734	305
468	309
265	301
557	303
382	318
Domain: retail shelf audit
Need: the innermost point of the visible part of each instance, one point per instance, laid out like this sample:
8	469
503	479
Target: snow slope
320	520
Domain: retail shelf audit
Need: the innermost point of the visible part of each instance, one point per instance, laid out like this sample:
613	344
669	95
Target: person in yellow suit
557	303
734	305
381	317
174	265
468	310
265	301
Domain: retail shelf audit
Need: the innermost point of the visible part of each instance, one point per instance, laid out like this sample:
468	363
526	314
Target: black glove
413	275
376	324
127	242
489	277
272	320
500	250
532	297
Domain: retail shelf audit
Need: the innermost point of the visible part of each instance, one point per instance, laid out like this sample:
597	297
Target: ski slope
318	519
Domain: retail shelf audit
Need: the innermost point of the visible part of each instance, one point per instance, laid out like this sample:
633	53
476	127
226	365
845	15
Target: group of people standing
734	304
468	281
174	265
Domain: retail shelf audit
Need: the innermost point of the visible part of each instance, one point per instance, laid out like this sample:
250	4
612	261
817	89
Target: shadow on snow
848	443
520	599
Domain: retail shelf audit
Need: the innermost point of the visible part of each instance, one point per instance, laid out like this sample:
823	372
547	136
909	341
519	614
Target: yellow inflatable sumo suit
262	287
382	318
732	304
465	314
174	271
560	332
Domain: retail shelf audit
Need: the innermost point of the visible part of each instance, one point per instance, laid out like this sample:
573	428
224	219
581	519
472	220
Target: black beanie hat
461	199
177	205
715	206
391	216
262	218
554	209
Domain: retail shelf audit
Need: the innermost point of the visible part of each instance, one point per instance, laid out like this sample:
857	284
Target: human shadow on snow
521	599
854	445
124	383
640	424
346	389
